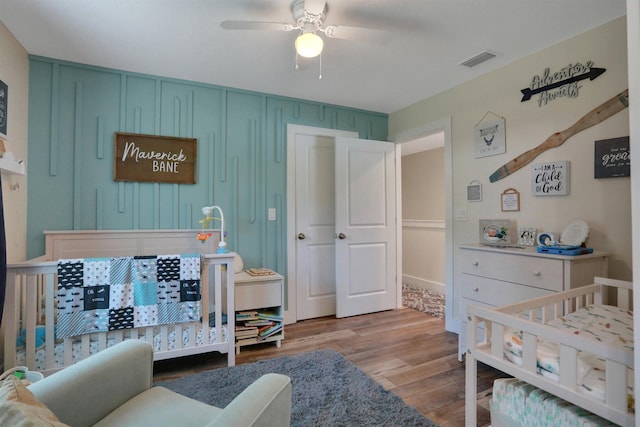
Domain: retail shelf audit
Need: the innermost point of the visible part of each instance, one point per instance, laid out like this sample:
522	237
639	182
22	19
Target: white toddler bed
31	307
543	343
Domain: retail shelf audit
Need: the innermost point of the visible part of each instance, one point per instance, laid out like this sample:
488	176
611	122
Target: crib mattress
531	407
40	358
610	325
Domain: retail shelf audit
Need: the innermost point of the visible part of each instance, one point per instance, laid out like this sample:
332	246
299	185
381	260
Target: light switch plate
272	214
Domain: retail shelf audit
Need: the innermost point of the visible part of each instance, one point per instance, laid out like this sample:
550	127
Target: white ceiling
183	39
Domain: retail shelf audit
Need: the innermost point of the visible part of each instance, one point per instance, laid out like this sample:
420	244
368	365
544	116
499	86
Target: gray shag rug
327	390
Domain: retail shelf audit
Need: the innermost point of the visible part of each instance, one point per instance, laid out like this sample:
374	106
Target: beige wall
423	211
423	185
14	71
604	203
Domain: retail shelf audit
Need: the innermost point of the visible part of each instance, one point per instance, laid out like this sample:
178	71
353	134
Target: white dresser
494	276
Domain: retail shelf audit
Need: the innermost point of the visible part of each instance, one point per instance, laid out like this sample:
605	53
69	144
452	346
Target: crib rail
31	302
531	317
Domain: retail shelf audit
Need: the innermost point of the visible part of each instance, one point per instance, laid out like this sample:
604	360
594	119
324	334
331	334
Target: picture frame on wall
612	158
510	200
490	136
4	103
474	191
550	179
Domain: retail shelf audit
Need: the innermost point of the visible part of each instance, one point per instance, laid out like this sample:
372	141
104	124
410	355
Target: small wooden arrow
593	117
593	73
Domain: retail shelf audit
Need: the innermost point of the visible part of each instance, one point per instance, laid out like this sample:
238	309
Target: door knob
341	236
301	236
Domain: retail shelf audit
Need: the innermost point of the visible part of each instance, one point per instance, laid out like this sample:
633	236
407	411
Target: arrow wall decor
593	73
563	83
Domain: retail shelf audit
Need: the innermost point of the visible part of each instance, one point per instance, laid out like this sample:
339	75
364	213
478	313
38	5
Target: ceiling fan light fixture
309	45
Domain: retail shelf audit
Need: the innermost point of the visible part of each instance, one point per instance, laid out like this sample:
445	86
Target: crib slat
49	319
31	304
497	339
217	277
12	317
616	387
178	334
529	344
68	351
568	367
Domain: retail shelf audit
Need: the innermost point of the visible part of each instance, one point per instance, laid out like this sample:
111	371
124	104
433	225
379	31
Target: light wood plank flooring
405	350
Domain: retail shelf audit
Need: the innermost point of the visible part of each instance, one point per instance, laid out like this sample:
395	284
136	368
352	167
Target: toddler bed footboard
538	326
31	314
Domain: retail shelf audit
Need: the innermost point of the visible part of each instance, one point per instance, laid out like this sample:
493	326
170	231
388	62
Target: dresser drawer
497	293
531	271
258	295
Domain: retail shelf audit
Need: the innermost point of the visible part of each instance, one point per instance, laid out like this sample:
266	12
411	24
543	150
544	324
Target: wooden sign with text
152	158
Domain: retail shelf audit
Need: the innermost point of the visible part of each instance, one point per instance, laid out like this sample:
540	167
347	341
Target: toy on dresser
571	241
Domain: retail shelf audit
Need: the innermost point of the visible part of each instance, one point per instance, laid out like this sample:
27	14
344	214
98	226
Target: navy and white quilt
107	294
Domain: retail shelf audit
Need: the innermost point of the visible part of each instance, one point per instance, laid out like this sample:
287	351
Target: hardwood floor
405	350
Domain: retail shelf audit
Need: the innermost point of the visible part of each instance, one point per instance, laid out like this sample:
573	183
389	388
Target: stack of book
258	325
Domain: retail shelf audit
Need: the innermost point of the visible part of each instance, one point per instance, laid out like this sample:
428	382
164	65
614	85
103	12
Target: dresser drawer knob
476	289
537	273
476	263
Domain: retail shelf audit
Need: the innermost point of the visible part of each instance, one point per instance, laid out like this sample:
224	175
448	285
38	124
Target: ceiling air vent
478	59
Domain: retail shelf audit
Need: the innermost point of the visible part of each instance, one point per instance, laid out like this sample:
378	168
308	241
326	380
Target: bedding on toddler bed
607	324
40	358
532	407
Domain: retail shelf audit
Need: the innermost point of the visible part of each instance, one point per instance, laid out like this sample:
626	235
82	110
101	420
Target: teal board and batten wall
75	109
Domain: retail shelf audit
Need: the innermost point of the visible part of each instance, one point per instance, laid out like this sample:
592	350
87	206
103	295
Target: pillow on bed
20	408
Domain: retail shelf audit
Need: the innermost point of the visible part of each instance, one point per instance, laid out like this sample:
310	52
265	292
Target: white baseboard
421	283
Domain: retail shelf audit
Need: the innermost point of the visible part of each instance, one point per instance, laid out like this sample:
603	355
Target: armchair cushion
20	408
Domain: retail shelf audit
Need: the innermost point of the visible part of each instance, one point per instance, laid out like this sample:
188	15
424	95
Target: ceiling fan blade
315	7
369	35
256	25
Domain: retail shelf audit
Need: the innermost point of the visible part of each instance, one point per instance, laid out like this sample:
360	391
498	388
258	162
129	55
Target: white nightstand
263	295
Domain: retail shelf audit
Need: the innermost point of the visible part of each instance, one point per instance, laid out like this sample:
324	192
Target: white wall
423	211
633	40
604	204
14	71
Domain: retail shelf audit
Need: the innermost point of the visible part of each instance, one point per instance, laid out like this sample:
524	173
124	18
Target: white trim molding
423	223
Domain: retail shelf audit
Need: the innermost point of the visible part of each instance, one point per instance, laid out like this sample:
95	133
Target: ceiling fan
309	17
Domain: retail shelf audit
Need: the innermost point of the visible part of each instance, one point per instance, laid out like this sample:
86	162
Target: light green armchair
114	388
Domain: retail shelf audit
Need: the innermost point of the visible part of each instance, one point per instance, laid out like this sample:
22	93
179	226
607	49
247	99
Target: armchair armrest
265	403
83	393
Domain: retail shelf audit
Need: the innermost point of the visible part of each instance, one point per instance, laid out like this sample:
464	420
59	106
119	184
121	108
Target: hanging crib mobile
207	211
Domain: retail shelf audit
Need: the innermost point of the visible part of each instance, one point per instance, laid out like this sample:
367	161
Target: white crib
30	305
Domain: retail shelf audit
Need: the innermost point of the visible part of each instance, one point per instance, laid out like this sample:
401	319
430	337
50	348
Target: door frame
290	312
452	322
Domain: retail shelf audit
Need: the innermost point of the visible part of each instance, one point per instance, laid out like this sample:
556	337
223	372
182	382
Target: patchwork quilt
107	294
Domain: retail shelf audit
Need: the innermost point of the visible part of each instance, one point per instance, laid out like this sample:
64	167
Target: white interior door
365	210
367	193
315	226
